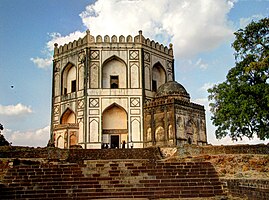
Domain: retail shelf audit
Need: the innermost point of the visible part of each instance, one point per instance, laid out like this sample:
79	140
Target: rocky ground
245	166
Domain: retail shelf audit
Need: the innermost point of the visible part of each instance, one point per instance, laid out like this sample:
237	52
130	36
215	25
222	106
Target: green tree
240	105
3	141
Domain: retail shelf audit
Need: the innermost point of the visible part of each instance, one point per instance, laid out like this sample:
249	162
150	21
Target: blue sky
201	32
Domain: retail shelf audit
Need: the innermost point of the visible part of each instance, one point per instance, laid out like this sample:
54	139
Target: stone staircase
96	179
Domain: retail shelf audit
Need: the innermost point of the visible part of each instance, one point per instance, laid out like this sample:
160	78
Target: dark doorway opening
115	141
73	86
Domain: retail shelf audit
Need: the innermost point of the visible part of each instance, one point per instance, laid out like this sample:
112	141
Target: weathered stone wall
243	169
78	155
193	150
247	188
119	179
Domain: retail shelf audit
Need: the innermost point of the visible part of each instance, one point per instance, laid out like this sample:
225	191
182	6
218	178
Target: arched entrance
67	131
115	129
68	117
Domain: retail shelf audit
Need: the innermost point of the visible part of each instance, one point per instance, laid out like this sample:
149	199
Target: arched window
114	73
158	76
69	83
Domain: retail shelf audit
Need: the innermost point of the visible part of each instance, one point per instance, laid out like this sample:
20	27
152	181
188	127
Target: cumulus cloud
202	101
192	26
61	40
206	86
15	110
34	138
245	21
42	63
46	61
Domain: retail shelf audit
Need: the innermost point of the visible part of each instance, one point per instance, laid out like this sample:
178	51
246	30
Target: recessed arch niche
158	76
68	117
69	83
114	71
114	125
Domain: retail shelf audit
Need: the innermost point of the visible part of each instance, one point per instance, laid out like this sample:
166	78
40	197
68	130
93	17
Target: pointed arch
159	134
192	131
60	142
114	73
69	77
73	139
114	57
114	125
68	117
114	117
158	76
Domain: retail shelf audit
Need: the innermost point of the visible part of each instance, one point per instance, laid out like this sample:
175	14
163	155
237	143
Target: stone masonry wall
247	188
243	169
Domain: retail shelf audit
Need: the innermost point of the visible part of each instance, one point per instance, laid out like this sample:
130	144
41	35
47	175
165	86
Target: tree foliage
240	105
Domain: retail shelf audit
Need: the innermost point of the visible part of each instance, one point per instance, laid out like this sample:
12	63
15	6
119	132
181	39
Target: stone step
114	192
118	179
116	184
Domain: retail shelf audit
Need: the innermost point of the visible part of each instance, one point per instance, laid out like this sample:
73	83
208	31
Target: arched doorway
115	129
67	131
68	117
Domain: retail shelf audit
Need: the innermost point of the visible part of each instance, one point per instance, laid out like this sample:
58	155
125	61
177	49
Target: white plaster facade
100	86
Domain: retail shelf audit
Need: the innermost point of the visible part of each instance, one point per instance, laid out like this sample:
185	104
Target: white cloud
192	26
34	138
46	61
15	110
61	40
201	64
245	21
206	86
201	101
42	63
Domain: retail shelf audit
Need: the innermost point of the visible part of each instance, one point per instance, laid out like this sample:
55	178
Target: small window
73	86
154	86
114	82
65	91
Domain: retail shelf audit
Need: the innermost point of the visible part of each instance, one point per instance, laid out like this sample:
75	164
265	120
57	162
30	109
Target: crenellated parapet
89	39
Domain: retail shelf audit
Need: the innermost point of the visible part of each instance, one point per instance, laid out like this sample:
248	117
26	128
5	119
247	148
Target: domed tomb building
110	91
170	119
